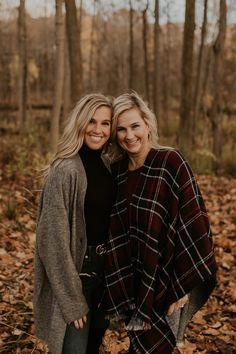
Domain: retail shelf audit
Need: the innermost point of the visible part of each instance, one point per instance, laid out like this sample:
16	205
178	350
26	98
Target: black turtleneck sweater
99	196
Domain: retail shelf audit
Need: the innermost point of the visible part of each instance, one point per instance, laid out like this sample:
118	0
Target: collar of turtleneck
85	151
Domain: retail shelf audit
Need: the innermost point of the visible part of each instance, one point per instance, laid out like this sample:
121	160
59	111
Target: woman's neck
137	161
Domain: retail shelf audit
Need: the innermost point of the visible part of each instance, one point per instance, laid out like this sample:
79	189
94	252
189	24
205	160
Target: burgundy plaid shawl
162	254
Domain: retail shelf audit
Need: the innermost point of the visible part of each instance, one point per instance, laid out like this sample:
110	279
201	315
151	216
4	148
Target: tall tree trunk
205	80
22	38
145	49
156	67
166	73
131	45
73	35
199	75
98	46
91	56
98	53
59	75
79	44
185	127
67	86
216	110
46	60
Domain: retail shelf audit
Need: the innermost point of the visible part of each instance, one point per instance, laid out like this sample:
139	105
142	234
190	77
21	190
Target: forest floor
213	328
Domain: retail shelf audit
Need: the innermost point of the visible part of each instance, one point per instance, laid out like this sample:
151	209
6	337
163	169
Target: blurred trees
73	36
145	50
23	63
186	118
111	49
198	86
216	110
59	75
131	45
156	59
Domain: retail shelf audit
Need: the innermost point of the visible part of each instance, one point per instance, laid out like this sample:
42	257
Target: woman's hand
177	305
79	324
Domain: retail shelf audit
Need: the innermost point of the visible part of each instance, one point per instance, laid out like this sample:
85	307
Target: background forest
181	57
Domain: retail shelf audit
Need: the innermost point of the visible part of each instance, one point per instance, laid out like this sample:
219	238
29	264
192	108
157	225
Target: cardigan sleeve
53	245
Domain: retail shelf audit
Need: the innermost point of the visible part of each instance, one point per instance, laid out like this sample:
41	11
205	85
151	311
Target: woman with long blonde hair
72	229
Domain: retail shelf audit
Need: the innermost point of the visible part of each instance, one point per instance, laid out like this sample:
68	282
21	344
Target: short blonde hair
123	103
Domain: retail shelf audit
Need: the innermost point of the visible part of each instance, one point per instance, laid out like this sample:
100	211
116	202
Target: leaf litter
212	329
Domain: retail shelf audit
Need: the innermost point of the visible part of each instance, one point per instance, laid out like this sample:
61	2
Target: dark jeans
88	339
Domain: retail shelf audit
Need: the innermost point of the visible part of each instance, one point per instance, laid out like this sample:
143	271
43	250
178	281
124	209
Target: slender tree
46	65
156	66
67	86
199	75
216	111
131	45
80	26
145	48
22	40
92	42
166	77
59	75
185	127
98	46
73	35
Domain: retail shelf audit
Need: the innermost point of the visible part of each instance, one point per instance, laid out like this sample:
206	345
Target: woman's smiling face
98	129
132	132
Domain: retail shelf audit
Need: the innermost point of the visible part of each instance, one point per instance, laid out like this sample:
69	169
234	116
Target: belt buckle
101	249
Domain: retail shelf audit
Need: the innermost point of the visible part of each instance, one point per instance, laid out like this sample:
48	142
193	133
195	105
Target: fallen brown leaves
212	330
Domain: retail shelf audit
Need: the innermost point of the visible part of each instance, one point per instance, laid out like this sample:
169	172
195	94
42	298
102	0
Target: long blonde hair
125	102
73	135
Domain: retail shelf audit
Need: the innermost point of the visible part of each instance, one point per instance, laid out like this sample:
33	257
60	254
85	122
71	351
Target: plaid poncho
163	252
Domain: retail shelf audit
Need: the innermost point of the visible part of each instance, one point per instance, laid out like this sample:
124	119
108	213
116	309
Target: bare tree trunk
185	127
131	45
73	35
91	56
216	110
22	37
98	50
145	52
46	62
79	36
98	46
156	56
206	79
199	76
59	75
166	73
101	30
67	86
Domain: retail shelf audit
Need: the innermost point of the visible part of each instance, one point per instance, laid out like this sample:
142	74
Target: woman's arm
53	246
177	305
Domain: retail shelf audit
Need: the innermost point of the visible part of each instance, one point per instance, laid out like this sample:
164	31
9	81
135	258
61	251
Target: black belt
99	250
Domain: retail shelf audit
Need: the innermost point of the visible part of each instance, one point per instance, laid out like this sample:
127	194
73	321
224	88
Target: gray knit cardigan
60	248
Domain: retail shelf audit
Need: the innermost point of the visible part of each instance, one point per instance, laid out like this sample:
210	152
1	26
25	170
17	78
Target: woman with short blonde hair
160	265
123	103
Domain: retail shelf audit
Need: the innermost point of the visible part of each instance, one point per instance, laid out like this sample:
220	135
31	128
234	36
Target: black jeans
88	339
